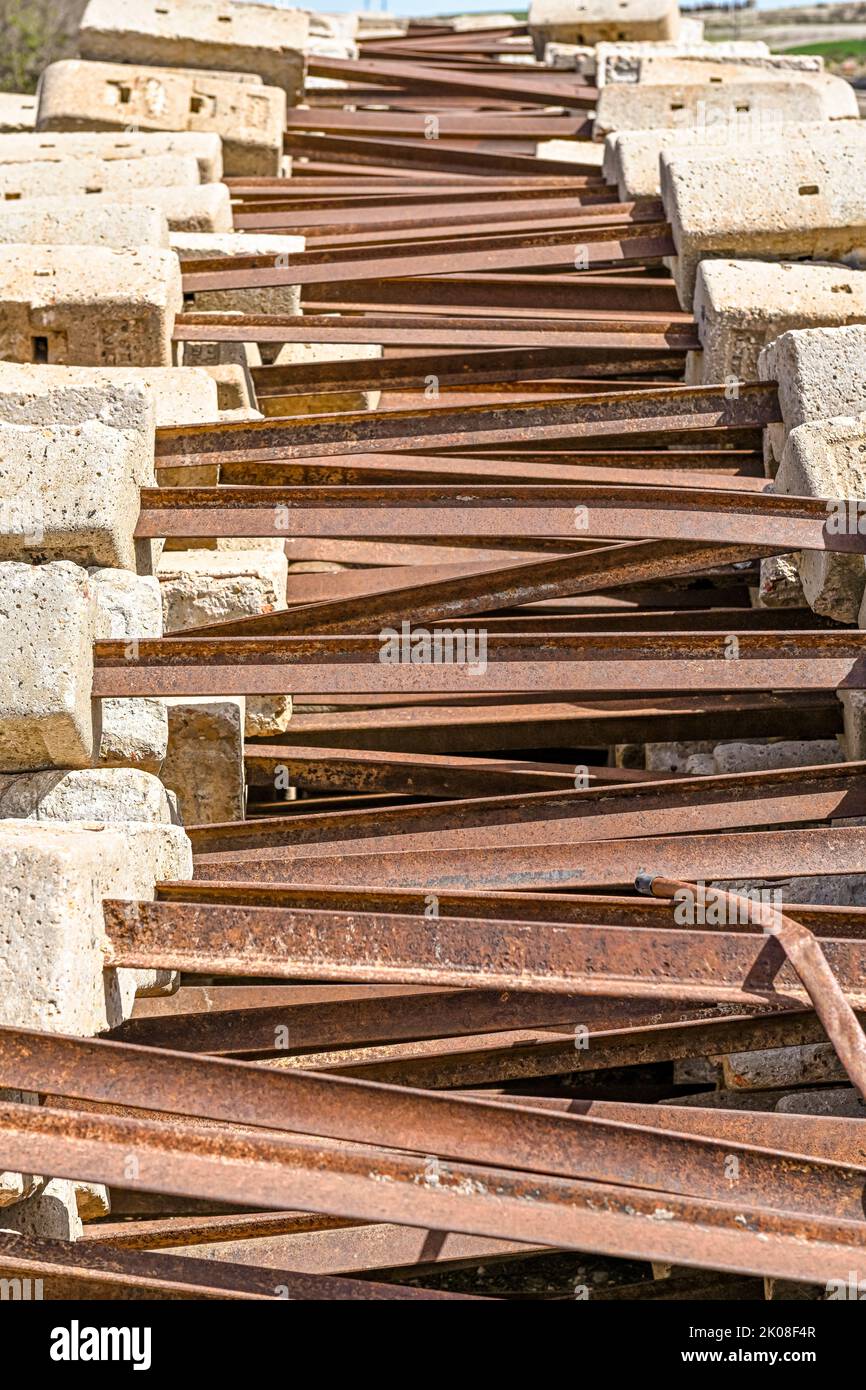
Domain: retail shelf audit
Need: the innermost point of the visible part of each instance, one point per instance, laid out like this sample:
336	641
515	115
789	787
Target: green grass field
836	51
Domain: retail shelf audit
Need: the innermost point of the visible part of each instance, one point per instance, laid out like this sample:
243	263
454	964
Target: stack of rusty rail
426	1024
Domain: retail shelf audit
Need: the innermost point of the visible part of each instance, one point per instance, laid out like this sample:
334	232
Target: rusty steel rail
593	864
711	966
510	663
90	1270
561	1213
669	806
410	512
672	410
506	1137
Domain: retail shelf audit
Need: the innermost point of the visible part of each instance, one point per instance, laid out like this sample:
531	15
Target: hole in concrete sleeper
808	190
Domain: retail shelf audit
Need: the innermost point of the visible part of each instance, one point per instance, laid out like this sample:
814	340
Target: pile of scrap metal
535	966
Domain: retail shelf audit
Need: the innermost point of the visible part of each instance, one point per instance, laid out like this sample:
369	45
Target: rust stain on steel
468	1130
573	663
557	1212
309	944
505	511
779	854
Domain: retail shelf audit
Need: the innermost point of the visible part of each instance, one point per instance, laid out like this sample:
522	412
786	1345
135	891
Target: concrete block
71	492
169	396
116	795
88	306
766	95
632	157
210	586
47	715
561	21
134	731
222	354
807	205
17	112
741	306
853	723
250	117
57	145
92	1201
267	714
578	151
706	65
205	208
50	1212
673	757
73	177
827	458
625	62
53	881
232	384
764	755
780	585
259	39
76	222
277	299
820	372
204	765
316	403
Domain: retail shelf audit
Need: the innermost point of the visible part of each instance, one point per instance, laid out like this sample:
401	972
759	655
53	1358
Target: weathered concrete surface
711	67
76	222
754	204
204	765
88	306
632	157
763	755
624	62
258	39
578	151
779	585
561	21
821	372
279	299
165	396
209	586
205	208
827	458
233	386
674	757
56	146
250	117
73	177
53	880
17	112
50	1212
114	795
128	607
71	492
47	716
767	95
741	306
